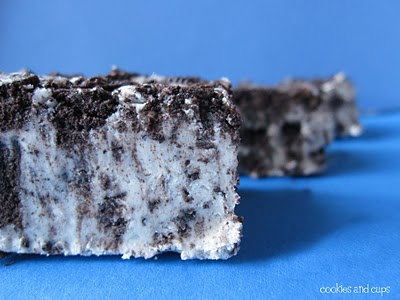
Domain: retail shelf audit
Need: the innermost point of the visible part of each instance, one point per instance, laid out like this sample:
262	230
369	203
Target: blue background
263	41
300	234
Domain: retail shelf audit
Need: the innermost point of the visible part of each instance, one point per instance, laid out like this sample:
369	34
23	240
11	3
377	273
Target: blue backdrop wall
263	41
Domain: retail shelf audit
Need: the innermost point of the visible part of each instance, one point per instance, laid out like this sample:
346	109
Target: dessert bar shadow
282	222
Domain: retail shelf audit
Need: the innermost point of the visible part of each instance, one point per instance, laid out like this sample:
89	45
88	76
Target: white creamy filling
42	95
128	92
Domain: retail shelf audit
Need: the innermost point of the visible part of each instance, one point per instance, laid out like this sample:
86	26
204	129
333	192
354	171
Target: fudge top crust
280	97
335	91
265	105
75	104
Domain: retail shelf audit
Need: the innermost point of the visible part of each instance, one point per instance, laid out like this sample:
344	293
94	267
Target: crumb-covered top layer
76	104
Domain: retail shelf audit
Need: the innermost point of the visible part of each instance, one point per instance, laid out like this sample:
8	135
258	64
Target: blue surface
300	235
261	40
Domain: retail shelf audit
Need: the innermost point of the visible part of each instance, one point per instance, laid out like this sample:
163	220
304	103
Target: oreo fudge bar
285	129
118	164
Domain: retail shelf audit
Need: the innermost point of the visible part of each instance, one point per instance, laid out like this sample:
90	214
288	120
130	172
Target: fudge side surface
118	164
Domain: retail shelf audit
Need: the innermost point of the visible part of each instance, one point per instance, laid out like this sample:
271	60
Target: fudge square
118	164
285	129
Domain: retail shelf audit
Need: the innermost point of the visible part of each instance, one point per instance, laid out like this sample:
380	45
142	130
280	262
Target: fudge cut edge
119	164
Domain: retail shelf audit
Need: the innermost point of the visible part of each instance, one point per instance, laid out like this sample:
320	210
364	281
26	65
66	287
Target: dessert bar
118	164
